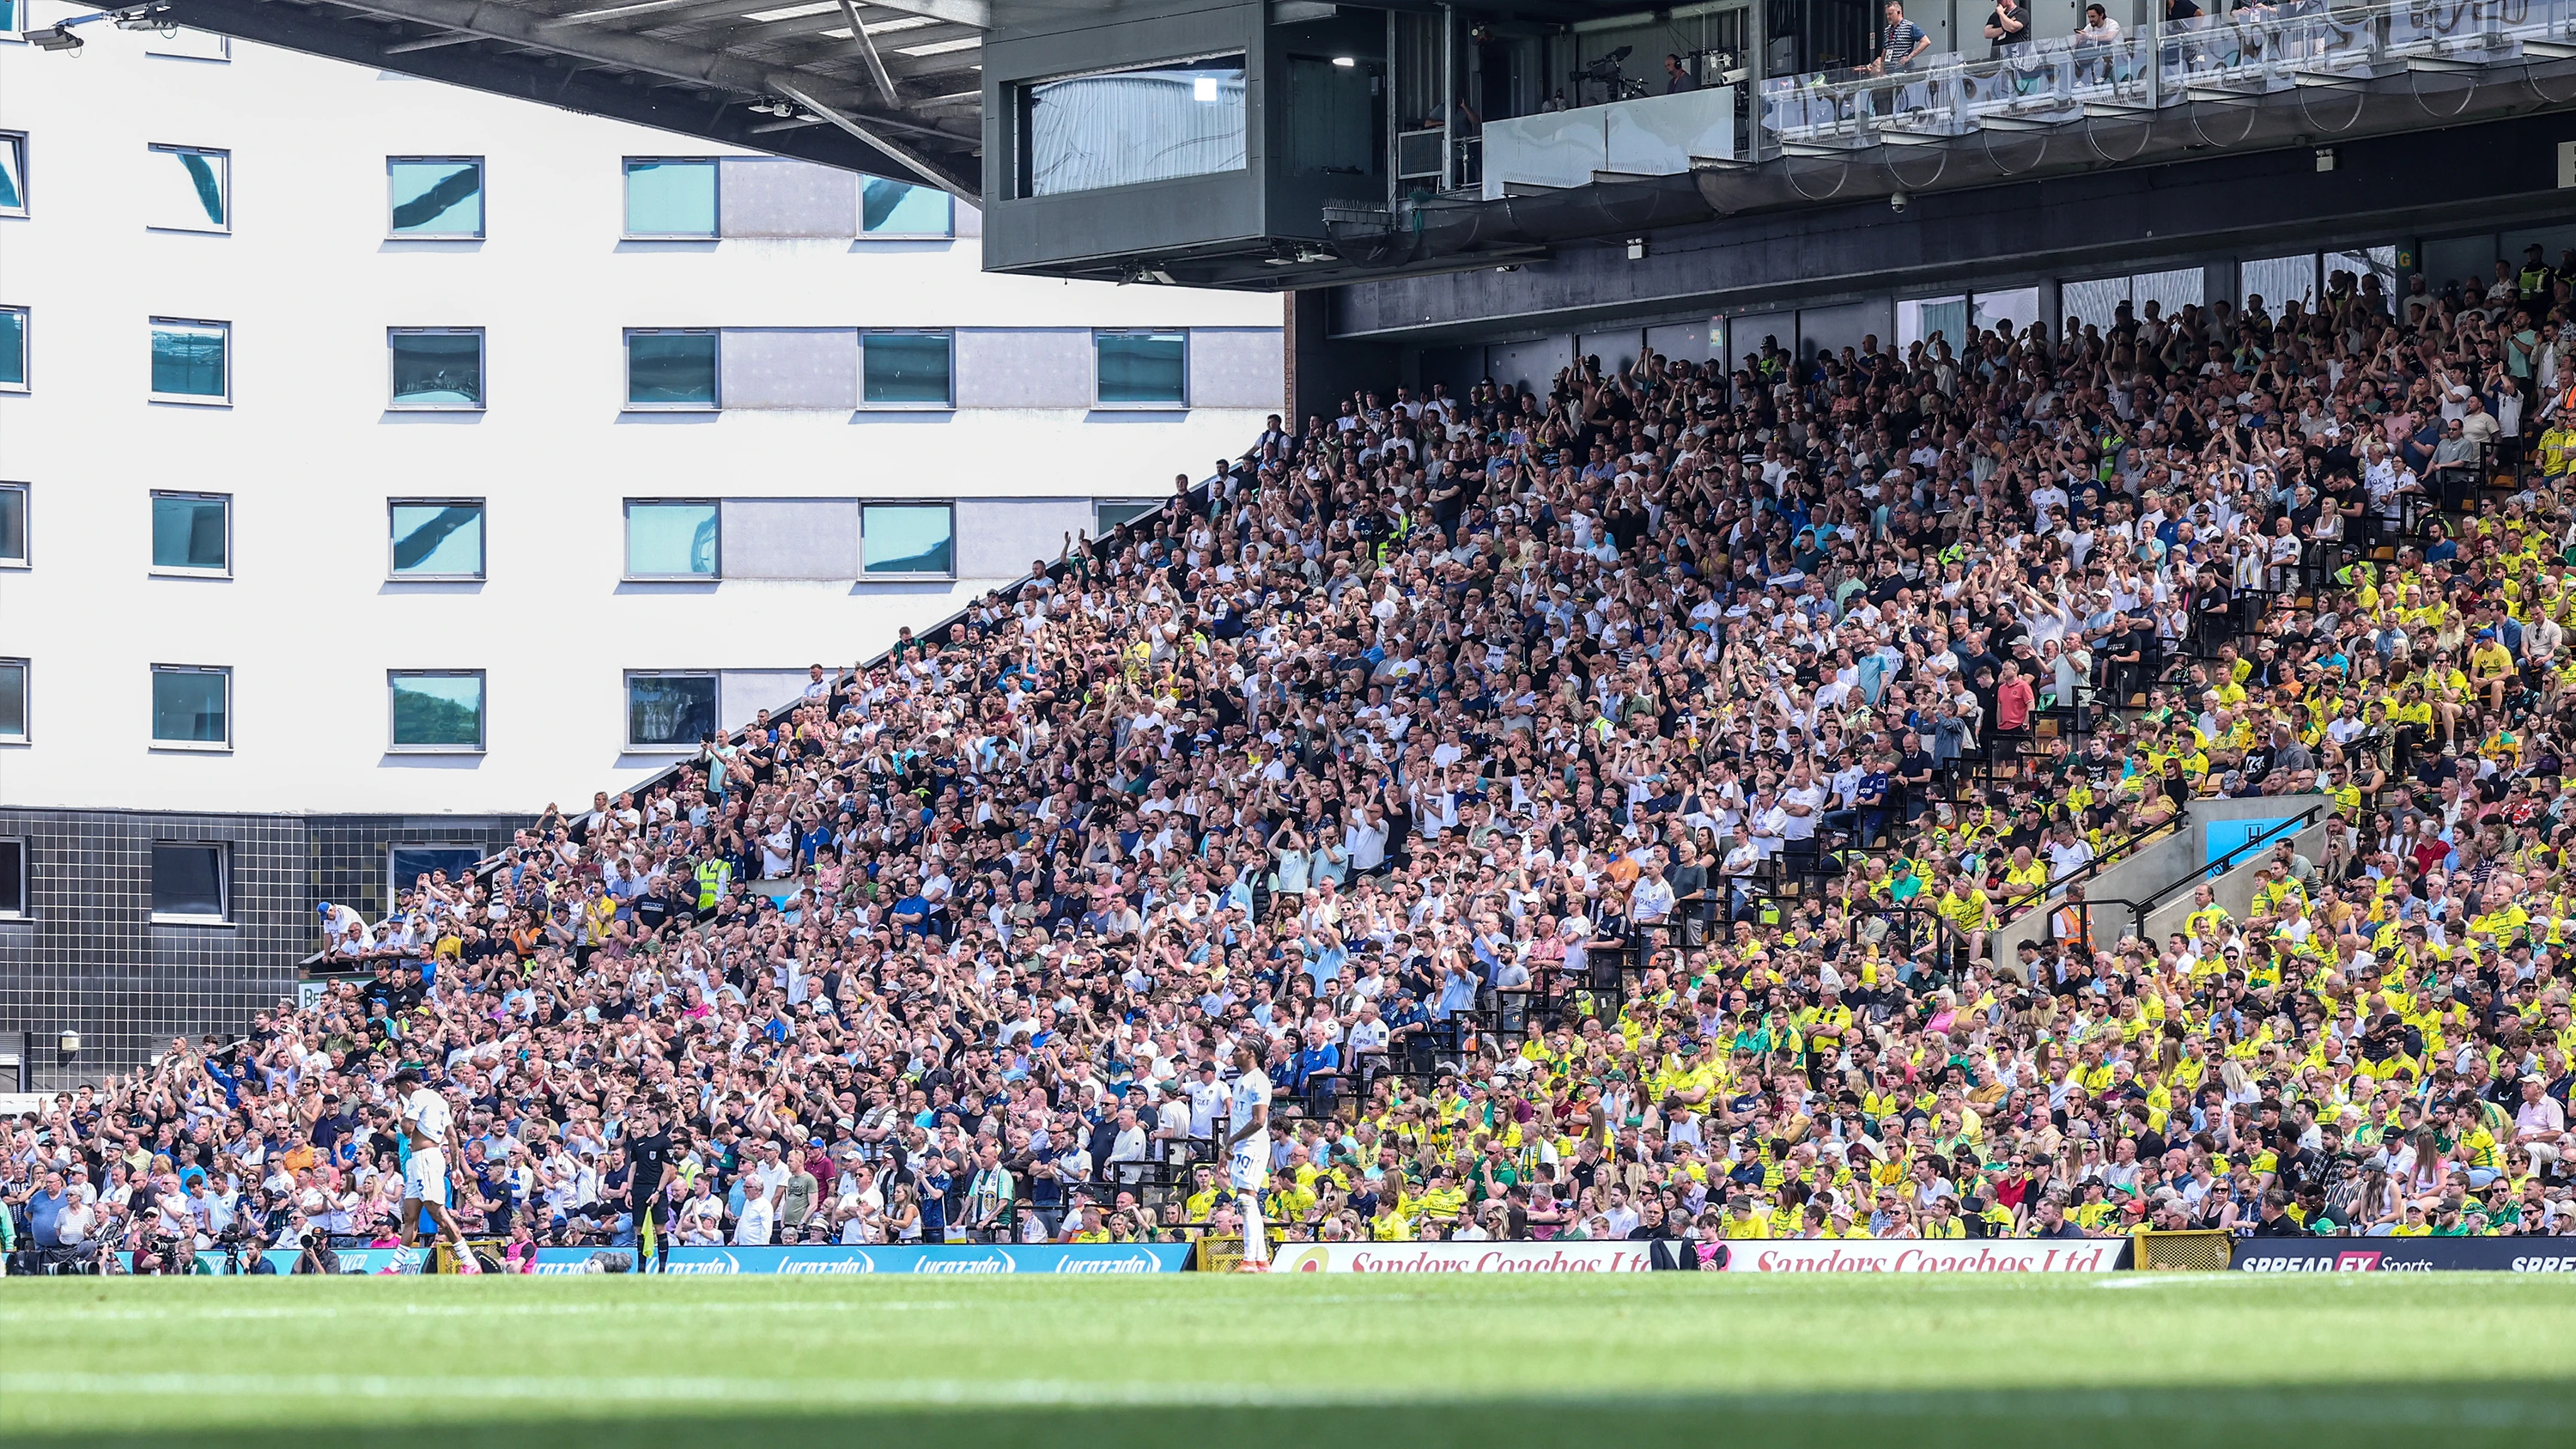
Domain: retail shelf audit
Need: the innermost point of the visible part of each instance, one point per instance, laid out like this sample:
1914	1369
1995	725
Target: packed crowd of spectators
1591	803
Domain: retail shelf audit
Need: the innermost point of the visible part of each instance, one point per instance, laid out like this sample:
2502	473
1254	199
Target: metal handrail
2020	905
2254	50
2211	869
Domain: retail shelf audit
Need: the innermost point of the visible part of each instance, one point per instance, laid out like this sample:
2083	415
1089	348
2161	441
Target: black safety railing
2228	859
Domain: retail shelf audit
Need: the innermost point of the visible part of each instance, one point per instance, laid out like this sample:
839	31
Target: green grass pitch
1341	1361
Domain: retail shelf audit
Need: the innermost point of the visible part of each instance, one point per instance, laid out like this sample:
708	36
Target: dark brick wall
348	855
88	957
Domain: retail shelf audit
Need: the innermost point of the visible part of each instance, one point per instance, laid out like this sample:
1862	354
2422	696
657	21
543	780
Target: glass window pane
2276	280
189	533
438	369
1082	130
187	190
671	540
671	369
893	208
2015	309
670	709
1918	319
1106	515
13	525
437	198
406	864
13	173
188	706
438	711
13	699
13	347
904	367
670	198
2170	291
1144	367
13	877
907	538
2362	267
438	540
188	359
2097	302
188	880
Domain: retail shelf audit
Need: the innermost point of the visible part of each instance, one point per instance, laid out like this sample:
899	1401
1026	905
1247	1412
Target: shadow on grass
2148	1417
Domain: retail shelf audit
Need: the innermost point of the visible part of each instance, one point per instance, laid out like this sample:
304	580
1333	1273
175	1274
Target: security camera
1897	200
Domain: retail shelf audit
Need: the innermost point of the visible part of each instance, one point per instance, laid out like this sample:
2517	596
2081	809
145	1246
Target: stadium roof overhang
898	88
888	87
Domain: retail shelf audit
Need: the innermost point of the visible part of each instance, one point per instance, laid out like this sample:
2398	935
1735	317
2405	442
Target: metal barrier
2253	51
2189	1251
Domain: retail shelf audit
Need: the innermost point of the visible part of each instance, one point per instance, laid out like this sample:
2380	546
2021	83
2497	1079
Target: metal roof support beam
867	50
493	21
904	156
434	42
978	13
609	12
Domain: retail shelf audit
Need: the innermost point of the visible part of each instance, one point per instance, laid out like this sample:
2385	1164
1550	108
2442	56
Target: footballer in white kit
1247	1163
428	1123
1247	1167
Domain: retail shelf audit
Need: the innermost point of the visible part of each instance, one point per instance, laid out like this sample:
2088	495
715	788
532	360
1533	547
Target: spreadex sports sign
1993	1255
2405	1255
1613	1257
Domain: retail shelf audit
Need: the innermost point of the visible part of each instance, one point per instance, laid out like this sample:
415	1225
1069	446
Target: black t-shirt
650	1156
2010	38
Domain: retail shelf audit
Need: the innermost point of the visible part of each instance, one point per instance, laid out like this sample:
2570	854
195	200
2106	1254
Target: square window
406	864
671	197
1108	514
437	539
189	189
190	361
436	196
13	525
437	368
905	369
1073	128
13	879
191	707
669	711
1143	369
672	540
190	884
13	349
438	711
908	538
899	209
13	701
671	369
192	533
13	172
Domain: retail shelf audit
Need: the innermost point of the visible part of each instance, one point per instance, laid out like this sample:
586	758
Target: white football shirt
1251	1090
428	1113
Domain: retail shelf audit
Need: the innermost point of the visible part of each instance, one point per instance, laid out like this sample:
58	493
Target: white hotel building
381	460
